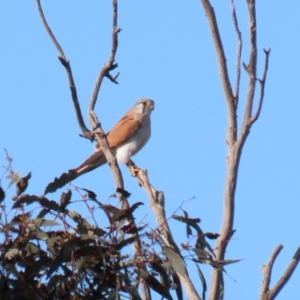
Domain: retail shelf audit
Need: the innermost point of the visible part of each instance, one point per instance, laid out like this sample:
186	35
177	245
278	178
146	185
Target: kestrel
125	139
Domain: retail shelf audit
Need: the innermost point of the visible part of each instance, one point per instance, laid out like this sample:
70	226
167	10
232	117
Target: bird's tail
94	161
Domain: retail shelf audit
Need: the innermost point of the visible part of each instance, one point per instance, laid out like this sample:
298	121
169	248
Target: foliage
52	252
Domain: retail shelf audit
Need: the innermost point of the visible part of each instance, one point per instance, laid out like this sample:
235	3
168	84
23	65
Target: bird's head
143	106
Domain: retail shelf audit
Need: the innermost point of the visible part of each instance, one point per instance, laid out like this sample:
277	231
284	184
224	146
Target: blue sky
165	53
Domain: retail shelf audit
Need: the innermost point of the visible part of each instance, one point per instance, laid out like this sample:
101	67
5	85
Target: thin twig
110	65
262	86
251	68
238	53
49	31
62	58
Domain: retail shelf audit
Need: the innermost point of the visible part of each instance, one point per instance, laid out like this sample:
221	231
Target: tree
235	141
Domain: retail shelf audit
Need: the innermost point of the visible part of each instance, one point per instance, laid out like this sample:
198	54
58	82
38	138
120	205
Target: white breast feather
135	142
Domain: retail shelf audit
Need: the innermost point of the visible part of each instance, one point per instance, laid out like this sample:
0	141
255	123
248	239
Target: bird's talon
134	170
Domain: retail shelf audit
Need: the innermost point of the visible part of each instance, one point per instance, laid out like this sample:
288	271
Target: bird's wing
122	131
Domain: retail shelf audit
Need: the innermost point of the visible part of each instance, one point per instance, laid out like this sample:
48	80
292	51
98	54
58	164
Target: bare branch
262	86
251	68
97	130
238	54
85	132
110	65
157	203
234	144
49	31
267	270
101	136
217	287
211	17
267	294
99	133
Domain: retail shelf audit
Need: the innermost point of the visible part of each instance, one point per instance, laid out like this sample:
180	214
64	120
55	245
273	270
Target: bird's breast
135	143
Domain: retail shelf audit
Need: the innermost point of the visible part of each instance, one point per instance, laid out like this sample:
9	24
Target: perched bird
125	139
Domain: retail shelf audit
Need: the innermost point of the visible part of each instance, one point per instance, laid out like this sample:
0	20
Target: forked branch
235	141
110	64
270	294
97	132
62	58
262	82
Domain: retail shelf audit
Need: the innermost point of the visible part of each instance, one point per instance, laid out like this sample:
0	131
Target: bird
125	139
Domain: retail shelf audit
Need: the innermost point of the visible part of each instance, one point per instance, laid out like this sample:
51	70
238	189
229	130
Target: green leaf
83	225
51	242
31	248
99	232
125	242
11	253
176	260
42	222
203	281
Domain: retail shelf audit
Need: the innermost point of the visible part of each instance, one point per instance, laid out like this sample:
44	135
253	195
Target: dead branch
97	132
157	203
62	58
270	294
211	17
251	67
101	137
234	143
110	64
262	82
238	54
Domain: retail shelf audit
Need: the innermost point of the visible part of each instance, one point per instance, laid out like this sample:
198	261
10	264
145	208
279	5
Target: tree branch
62	58
157	203
251	68
267	270
101	136
109	65
211	17
97	132
270	294
238	54
262	86
234	144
